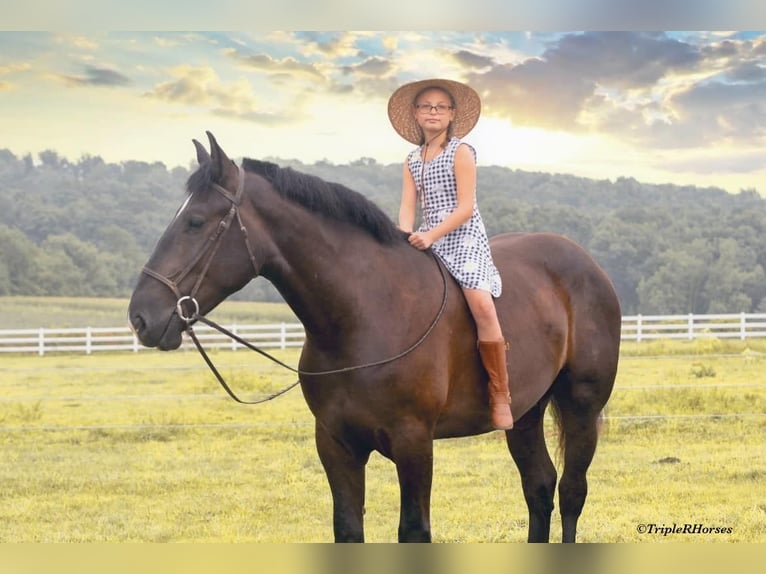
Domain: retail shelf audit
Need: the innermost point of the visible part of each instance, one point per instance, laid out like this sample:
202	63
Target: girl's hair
452	103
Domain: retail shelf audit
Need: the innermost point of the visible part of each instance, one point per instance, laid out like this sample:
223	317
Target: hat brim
401	102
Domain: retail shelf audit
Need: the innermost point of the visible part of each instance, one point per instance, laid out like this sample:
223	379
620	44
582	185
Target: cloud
719	112
192	86
472	60
10	69
202	87
276	67
78	42
98	77
650	88
84	43
623	60
750	72
553	89
330	45
14	68
372	78
373	66
166	41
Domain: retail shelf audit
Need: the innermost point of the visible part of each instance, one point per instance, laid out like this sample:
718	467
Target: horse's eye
195	223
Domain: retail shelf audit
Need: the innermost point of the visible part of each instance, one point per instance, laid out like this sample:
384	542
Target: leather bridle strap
221	380
211	245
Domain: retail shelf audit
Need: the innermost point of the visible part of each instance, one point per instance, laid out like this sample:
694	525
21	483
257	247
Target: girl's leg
484	314
492	350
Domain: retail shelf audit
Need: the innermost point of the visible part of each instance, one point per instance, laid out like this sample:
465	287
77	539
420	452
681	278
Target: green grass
702	346
147	447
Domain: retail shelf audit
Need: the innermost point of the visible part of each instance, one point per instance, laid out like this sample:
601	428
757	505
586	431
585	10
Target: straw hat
400	107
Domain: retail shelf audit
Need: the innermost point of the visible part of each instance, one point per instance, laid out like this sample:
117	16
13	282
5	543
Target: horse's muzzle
164	335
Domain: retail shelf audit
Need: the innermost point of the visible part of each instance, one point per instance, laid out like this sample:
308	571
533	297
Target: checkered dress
464	251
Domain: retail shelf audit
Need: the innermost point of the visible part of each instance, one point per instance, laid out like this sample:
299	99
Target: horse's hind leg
579	411
346	474
581	436
538	475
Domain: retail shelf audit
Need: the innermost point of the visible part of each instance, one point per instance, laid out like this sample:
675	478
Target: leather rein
207	253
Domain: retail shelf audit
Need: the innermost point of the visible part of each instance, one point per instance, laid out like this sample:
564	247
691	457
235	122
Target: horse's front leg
412	452
345	473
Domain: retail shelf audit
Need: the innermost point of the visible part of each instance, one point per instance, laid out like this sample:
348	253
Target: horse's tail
561	445
601	422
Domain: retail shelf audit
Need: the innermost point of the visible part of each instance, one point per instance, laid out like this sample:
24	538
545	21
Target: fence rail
91	339
283	335
723	326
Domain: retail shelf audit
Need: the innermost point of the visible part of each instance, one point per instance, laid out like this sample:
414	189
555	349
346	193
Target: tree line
85	228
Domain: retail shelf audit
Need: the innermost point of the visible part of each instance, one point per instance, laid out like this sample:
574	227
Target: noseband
208	252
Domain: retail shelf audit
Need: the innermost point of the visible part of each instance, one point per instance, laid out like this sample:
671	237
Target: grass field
124	447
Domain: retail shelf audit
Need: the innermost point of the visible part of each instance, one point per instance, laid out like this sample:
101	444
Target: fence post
88	340
41	342
638	328
283	336
742	330
233	342
691	326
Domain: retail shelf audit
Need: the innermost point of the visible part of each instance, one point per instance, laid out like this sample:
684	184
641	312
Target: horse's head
200	259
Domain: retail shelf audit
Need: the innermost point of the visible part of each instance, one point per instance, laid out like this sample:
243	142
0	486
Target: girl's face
434	110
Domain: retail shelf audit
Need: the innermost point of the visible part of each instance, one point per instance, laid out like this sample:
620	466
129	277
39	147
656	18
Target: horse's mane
332	200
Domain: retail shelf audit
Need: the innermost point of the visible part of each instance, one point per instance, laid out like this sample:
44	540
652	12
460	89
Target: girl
441	175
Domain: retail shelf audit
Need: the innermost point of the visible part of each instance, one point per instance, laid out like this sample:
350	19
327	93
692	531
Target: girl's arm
408	203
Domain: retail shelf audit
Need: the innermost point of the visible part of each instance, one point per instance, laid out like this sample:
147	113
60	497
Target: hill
85	228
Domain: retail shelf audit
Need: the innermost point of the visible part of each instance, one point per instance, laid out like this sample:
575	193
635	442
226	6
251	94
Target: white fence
91	339
726	326
282	335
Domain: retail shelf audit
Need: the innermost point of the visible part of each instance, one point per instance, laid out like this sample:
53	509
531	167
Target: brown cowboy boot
493	357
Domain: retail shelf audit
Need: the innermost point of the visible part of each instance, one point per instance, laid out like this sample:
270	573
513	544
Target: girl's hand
420	240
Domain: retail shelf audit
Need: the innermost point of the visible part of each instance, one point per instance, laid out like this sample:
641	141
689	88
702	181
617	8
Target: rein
211	246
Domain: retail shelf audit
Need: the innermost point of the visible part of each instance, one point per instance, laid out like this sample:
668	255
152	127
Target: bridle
207	252
209	249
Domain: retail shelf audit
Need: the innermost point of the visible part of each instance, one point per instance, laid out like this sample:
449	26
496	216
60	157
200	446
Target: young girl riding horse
440	174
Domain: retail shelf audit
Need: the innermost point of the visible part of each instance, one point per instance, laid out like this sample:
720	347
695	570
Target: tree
17	258
93	271
678	284
57	274
5	280
736	282
626	252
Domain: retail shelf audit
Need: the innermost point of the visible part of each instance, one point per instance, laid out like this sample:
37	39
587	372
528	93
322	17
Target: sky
687	108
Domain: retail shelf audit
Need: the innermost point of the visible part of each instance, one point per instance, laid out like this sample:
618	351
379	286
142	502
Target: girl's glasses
440	109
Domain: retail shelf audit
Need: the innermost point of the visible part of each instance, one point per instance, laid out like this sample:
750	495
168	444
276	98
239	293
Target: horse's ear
222	165
202	155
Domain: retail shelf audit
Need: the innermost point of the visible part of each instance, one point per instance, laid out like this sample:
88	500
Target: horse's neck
327	273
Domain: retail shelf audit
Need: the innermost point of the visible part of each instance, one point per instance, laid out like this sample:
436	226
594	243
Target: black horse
364	294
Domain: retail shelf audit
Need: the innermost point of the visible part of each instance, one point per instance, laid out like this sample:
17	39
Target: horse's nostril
138	323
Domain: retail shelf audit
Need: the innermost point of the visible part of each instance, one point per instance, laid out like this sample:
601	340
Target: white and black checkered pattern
464	251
